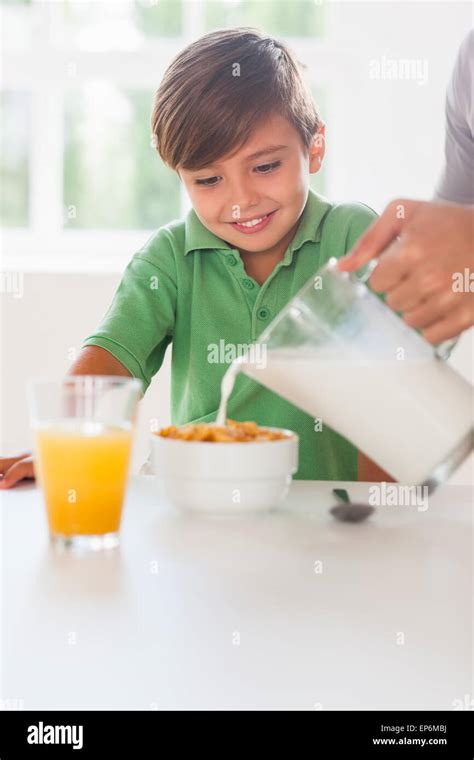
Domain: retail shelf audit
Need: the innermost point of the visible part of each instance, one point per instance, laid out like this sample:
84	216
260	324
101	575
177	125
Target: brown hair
202	110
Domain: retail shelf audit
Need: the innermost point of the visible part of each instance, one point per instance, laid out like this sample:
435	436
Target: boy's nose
246	199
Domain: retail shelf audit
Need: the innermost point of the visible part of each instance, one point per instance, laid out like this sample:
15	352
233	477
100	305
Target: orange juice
82	466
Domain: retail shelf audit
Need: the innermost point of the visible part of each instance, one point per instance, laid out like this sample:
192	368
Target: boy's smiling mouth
253	225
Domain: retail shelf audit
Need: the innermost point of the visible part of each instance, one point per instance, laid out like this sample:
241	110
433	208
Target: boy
235	120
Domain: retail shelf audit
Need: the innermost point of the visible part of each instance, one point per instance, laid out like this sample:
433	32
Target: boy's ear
317	149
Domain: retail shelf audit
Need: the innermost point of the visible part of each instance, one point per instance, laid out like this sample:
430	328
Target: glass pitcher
343	356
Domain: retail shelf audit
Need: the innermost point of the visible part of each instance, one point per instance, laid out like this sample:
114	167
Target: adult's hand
426	264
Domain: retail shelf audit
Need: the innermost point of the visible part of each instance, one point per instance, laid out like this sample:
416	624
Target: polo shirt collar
198	237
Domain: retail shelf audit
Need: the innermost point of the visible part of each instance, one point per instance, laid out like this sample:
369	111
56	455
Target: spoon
348	511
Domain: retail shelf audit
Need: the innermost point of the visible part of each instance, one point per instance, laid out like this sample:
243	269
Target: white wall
385	137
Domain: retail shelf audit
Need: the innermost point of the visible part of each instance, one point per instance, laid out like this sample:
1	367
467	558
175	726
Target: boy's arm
371	472
94	360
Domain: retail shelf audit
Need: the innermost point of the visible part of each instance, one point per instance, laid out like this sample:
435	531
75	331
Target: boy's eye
262	169
208	182
267	168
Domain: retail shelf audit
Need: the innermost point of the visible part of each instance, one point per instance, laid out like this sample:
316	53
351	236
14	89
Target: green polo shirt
188	287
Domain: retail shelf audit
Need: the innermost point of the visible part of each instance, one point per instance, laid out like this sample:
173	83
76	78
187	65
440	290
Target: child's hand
14	469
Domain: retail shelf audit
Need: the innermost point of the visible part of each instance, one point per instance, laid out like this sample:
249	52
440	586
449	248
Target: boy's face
271	187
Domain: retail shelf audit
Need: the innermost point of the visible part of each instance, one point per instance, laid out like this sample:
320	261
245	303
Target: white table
195	612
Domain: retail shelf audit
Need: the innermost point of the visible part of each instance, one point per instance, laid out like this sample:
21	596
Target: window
300	18
15	139
112	177
81	183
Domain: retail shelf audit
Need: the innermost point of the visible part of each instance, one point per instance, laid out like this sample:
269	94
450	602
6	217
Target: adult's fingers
392	268
416	288
432	310
450	326
381	232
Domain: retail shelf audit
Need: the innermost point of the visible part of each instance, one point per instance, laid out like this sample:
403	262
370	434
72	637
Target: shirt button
231	260
248	284
263	313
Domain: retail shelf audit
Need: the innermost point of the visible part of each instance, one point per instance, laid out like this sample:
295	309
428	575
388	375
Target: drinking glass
82	437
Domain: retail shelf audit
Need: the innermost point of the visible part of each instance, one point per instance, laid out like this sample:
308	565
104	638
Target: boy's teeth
253	222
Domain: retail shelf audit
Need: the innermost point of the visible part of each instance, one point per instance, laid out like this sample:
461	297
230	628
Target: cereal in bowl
233	432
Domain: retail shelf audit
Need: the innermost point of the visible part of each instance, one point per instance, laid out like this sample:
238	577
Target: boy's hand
425	248
14	469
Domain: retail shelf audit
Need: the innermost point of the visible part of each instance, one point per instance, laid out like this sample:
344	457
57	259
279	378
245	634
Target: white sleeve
456	184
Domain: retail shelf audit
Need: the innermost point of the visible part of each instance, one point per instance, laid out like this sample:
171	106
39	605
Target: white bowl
225	478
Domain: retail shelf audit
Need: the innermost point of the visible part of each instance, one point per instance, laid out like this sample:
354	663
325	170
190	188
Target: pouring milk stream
340	354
